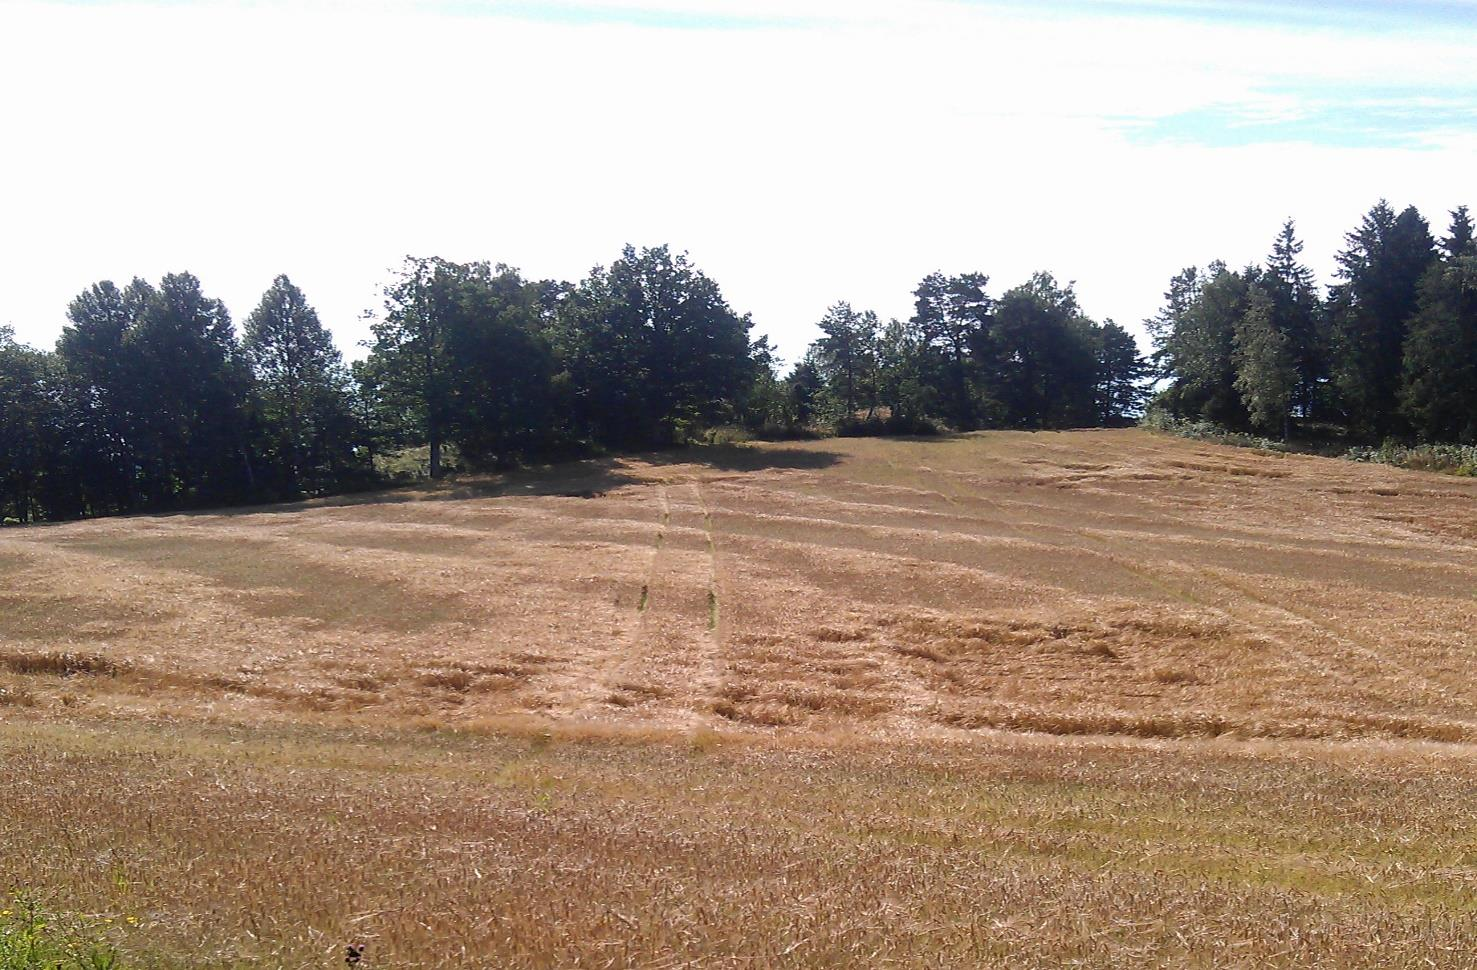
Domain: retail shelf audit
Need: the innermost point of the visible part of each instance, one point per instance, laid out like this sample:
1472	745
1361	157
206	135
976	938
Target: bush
414	464
786	431
1157	419
892	424
1450	459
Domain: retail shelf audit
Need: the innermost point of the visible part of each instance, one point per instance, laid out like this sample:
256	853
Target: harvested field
1002	699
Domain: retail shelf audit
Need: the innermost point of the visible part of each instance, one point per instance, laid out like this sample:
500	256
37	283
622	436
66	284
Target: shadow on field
742	457
585	478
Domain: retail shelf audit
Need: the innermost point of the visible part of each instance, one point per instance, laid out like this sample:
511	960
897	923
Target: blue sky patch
1325	116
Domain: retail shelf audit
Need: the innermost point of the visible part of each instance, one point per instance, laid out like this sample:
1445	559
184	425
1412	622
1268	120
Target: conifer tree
847	355
1294	313
1380	272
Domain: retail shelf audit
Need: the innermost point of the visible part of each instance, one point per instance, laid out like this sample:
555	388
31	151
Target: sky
802	151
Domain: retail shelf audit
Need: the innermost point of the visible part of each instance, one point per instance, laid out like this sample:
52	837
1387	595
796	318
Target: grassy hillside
1006	698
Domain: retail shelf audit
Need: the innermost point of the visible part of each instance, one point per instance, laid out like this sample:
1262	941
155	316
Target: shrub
1157	419
1451	459
891	424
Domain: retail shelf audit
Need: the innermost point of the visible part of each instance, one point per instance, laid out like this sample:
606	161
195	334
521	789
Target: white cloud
800	166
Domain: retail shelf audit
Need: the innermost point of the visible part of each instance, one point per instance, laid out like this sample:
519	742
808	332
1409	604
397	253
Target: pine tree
847	355
953	315
1122	374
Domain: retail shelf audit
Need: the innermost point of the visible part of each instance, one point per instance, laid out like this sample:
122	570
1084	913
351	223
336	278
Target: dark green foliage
903	372
1045	357
408	376
650	351
765	407
30	424
1294	312
1380	271
1030	360
151	402
1459	241
107	398
309	431
502	369
804	387
847	357
1121	388
1195	340
191	441
952	316
1440	392
1439	395
461	355
1392	352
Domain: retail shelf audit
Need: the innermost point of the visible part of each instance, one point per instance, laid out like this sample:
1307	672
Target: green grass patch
34	938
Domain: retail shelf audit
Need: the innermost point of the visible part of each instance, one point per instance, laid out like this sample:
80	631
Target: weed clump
1450	459
1158	420
31	938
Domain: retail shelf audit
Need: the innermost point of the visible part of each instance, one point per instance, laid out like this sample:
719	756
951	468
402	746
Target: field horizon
1108	698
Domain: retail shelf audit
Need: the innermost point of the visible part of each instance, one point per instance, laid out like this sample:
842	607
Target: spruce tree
1294	313
1439	392
1380	272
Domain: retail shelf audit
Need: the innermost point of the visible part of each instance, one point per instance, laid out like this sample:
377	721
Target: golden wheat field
1098	698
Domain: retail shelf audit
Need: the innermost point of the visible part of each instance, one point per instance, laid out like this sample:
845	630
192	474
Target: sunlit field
1093	698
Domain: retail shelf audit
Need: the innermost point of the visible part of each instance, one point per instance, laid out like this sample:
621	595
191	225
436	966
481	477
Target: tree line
1389	351
152	400
965	360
